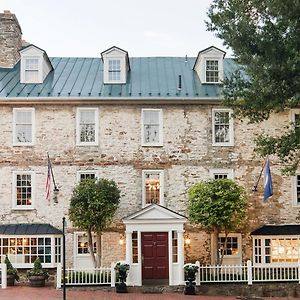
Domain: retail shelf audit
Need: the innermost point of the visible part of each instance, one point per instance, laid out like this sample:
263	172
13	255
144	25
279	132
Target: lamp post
64	257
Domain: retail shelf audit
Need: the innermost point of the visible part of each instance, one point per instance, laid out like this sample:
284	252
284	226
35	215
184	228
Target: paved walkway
49	293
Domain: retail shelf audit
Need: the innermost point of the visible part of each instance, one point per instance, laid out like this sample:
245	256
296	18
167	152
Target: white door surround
155	218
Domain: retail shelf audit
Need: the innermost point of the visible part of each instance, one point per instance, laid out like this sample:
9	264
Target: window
221	173
83	245
87	126
212	71
114	70
231	247
222	127
31	70
276	250
175	246
23	187
152	127
83	175
23	250
23	125
153	187
135	256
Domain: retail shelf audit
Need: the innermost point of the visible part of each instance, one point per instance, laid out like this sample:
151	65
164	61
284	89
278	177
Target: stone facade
10	40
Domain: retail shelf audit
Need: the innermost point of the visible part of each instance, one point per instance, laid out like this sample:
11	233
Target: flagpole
51	170
254	189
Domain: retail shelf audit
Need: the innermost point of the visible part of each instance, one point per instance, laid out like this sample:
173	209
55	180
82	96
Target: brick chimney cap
7	12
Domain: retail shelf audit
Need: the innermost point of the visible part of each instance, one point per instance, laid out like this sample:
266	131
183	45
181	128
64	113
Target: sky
142	27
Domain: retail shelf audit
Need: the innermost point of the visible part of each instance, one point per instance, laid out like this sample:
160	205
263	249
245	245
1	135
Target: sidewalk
49	293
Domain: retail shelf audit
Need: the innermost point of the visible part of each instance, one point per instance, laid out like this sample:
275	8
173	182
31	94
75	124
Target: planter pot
121	287
10	280
37	281
190	288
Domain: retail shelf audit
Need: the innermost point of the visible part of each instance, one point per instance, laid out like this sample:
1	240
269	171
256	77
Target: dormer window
209	65
212	71
115	66
31	69
114	69
35	65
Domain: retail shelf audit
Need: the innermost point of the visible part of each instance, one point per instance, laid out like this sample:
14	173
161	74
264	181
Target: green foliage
10	269
264	36
217	204
93	204
122	267
37	269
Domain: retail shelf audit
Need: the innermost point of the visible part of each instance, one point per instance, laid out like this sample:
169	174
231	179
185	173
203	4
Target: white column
180	255
3	275
129	247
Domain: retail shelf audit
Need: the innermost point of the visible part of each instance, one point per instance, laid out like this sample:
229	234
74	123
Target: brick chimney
10	40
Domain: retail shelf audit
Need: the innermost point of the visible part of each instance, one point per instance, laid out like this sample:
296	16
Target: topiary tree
92	207
218	205
10	269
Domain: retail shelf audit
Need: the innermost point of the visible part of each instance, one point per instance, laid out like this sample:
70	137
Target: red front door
155	258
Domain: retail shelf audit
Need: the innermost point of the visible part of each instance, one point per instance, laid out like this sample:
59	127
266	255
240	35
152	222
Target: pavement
45	293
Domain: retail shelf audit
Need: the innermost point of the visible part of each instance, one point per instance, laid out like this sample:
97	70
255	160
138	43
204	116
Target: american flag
48	182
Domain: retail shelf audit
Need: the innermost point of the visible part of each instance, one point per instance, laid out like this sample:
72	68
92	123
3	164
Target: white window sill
152	145
21	208
87	144
222	144
23	144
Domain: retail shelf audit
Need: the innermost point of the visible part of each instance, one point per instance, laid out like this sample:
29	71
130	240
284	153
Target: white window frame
119	71
228	172
231	130
77	235
96	113
239	241
86	172
22	264
161	190
39	69
160	136
14	191
205	66
24	109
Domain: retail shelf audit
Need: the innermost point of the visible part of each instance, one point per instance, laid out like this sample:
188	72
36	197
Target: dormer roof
115	48
209	50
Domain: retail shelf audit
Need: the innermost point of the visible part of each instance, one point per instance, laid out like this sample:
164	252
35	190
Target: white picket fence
248	273
97	276
3	277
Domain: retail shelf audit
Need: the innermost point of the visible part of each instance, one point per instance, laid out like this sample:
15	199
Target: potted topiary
122	269
190	271
12	273
37	275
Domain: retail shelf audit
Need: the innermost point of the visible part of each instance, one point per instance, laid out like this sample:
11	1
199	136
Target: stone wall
186	157
10	40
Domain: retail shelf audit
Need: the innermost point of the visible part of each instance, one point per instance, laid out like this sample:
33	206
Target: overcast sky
141	27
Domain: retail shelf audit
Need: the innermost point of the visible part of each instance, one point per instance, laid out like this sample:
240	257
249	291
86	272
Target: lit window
175	246
87	126
222	128
153	187
23	250
83	245
114	70
230	247
23	190
31	70
151	127
135	247
212	71
23	126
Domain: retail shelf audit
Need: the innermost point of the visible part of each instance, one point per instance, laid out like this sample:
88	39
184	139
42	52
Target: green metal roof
155	77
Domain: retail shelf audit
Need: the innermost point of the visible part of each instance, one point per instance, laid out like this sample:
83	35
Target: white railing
3	278
248	273
96	276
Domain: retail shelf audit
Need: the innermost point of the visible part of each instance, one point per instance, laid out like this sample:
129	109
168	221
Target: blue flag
268	188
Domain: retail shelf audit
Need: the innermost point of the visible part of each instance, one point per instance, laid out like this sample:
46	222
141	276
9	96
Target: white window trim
152	144
231	130
32	110
14	195
294	191
96	111
40	68
220	61
120	72
78	234
228	172
86	172
30	265
161	191
239	240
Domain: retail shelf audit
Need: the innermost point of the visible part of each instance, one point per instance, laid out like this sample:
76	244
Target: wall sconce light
187	240
121	240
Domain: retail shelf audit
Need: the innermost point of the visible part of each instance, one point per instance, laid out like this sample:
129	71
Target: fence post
3	276
58	276
197	263
249	272
112	275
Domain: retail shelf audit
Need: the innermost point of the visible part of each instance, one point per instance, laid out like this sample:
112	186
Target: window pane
23	126
152	187
151	126
212	71
221	127
87	126
134	247
23	189
84	176
114	69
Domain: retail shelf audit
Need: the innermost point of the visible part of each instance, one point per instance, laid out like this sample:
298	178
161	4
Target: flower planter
37	281
122	269
190	271
10	280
